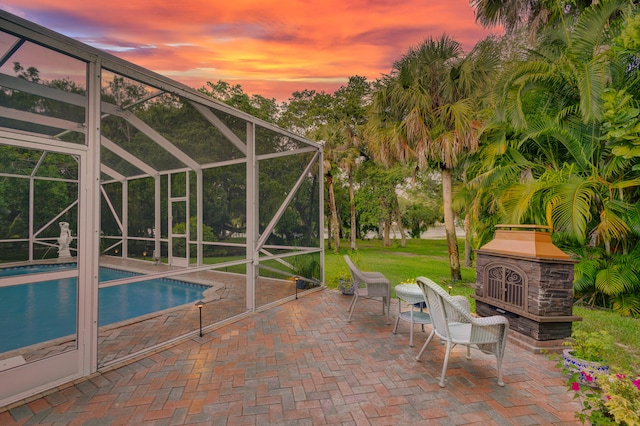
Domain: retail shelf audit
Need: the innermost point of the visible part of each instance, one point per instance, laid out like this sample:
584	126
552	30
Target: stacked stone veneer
546	311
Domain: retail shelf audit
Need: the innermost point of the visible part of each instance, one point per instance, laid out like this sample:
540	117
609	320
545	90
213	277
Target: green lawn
429	258
419	257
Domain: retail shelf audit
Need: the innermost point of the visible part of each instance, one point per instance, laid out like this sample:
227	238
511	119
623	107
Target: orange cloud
270	48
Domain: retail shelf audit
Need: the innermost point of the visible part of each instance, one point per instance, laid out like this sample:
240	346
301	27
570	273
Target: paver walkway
300	363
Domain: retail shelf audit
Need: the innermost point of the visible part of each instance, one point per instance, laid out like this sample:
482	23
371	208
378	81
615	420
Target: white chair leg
444	366
411	335
353	299
499	359
424	347
411	329
395	328
387	300
352	306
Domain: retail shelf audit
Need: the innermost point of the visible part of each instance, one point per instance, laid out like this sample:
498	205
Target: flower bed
615	399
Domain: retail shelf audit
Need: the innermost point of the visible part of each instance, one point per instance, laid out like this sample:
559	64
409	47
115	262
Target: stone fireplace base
535	346
545	330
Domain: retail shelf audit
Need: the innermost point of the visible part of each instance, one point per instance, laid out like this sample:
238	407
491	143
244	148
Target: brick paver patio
301	363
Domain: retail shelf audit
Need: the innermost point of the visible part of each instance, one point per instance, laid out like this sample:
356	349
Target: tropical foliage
562	149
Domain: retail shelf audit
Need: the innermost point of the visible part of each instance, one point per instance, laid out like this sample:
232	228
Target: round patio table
412	295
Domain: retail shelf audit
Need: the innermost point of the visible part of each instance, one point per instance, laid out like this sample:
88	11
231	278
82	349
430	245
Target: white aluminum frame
41	375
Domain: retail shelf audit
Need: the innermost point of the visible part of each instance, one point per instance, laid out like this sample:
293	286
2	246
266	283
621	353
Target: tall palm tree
350	113
348	159
334	141
426	112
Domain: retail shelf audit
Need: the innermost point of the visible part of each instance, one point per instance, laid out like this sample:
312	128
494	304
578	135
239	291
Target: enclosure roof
210	132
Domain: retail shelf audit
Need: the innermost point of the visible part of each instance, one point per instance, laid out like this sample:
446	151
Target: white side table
410	294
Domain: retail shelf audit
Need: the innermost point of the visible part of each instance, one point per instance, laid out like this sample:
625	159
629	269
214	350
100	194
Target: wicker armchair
375	285
455	325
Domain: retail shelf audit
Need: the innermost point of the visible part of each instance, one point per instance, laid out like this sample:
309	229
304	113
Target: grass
400	263
625	331
429	258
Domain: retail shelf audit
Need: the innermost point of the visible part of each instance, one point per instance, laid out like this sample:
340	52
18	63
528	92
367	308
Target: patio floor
301	363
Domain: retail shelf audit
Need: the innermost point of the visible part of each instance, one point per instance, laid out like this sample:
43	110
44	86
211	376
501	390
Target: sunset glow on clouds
269	48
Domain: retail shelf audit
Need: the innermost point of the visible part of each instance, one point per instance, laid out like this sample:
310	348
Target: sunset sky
271	48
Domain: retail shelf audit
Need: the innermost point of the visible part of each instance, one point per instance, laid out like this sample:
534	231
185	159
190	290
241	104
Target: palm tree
334	141
350	114
426	112
348	160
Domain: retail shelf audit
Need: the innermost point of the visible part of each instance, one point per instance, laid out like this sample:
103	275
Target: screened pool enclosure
135	211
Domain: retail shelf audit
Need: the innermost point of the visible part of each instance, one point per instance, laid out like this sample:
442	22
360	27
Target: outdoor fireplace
520	274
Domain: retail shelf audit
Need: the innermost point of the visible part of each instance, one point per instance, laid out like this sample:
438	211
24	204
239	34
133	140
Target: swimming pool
47	310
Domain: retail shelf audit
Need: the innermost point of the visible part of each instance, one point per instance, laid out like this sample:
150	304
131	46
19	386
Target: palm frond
610	227
591	80
633	219
588	31
627	304
519	201
584	275
571	140
570	204
510	89
610	281
631	183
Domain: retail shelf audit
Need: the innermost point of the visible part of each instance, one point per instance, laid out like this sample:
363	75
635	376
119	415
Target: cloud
277	47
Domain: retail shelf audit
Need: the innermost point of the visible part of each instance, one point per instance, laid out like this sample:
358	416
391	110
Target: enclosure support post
199	235
31	222
321	213
125	219
89	228
157	254
252	217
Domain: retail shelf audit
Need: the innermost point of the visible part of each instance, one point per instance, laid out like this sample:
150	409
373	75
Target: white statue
64	240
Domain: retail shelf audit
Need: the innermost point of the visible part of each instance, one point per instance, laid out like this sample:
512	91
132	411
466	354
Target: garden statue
64	240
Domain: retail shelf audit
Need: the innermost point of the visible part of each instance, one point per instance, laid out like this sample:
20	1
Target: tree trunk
449	225
386	242
312	215
352	205
403	238
329	230
335	233
467	241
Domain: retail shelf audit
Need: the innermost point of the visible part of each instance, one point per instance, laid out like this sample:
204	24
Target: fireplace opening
505	285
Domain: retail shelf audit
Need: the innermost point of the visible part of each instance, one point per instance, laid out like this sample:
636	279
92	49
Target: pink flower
587	377
621	376
636	383
575	386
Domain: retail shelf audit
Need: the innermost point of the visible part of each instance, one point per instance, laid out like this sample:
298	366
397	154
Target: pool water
33	313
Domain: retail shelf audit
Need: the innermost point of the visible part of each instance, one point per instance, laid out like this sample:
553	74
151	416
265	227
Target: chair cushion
460	332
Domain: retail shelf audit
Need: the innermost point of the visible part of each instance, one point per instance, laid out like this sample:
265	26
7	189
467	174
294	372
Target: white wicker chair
455	325
375	285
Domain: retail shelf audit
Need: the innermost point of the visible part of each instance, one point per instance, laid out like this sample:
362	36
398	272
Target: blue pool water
33	313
